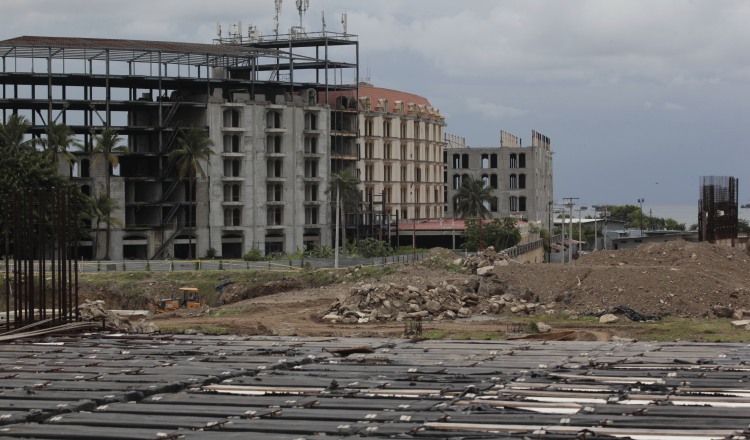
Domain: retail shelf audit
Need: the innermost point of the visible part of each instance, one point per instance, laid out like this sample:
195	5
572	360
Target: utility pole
640	202
580	225
569	202
596	245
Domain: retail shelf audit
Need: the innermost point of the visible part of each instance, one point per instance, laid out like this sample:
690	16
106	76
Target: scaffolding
151	91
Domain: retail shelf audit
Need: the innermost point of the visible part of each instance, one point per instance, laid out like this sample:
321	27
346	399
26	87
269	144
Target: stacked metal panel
165	387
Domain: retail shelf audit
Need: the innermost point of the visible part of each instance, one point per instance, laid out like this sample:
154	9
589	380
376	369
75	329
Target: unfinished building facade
718	208
262	101
520	177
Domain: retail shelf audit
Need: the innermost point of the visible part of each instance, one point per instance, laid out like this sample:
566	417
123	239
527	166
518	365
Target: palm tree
101	208
471	199
194	147
58	142
107	149
346	187
13	131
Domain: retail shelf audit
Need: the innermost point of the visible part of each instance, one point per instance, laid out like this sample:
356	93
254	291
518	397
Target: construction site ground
680	283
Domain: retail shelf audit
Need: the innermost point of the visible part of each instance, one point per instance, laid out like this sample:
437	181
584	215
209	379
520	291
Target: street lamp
640	202
569	202
580	228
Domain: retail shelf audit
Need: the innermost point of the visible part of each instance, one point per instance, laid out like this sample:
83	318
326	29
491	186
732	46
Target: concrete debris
481	294
95	311
609	318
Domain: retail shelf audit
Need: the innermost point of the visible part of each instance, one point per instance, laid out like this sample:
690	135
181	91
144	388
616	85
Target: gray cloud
622	87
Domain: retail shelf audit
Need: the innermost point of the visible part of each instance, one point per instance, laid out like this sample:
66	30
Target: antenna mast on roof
343	22
302	6
276	17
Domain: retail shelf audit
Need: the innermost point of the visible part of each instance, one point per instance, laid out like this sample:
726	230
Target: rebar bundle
41	269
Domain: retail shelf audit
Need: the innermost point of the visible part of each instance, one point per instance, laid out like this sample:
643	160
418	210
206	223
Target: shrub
254	255
370	247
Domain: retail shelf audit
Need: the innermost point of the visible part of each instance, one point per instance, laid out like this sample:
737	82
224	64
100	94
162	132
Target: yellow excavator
189	300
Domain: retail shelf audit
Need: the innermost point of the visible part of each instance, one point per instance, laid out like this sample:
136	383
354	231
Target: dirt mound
233	293
676	278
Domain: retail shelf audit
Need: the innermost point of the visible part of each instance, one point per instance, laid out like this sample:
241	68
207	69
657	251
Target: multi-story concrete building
263	101
520	177
402	143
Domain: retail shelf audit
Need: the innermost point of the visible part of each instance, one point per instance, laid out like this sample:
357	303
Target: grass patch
694	330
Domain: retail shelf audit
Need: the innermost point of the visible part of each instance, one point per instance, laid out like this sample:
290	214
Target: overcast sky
639	98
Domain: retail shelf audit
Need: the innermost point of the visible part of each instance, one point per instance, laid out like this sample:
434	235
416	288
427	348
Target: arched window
232	168
456	181
493	160
231	144
493	181
273	119
513	161
522	181
486	180
232	118
311	145
274	192
311	121
522	203
513	204
387	128
513	182
464	161
273	144
456	161
485	161
522	160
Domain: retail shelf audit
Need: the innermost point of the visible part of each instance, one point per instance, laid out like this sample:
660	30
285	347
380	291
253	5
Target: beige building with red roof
402	144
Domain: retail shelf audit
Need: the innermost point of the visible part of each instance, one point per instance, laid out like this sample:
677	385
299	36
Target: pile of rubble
447	300
656	280
95	311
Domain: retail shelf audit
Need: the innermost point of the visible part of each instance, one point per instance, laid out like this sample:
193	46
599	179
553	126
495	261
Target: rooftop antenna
302	6
323	17
276	17
343	22
218	30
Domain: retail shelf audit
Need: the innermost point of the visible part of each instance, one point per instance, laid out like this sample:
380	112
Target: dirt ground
682	279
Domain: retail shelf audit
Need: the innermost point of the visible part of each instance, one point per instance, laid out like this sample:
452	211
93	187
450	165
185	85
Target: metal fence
278	265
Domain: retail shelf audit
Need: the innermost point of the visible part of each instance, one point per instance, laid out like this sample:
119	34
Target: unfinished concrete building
718	208
263	101
520	177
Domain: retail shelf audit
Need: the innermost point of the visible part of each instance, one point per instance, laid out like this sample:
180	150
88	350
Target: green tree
12	133
108	151
58	140
194	147
743	226
24	168
100	209
347	194
499	233
472	198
